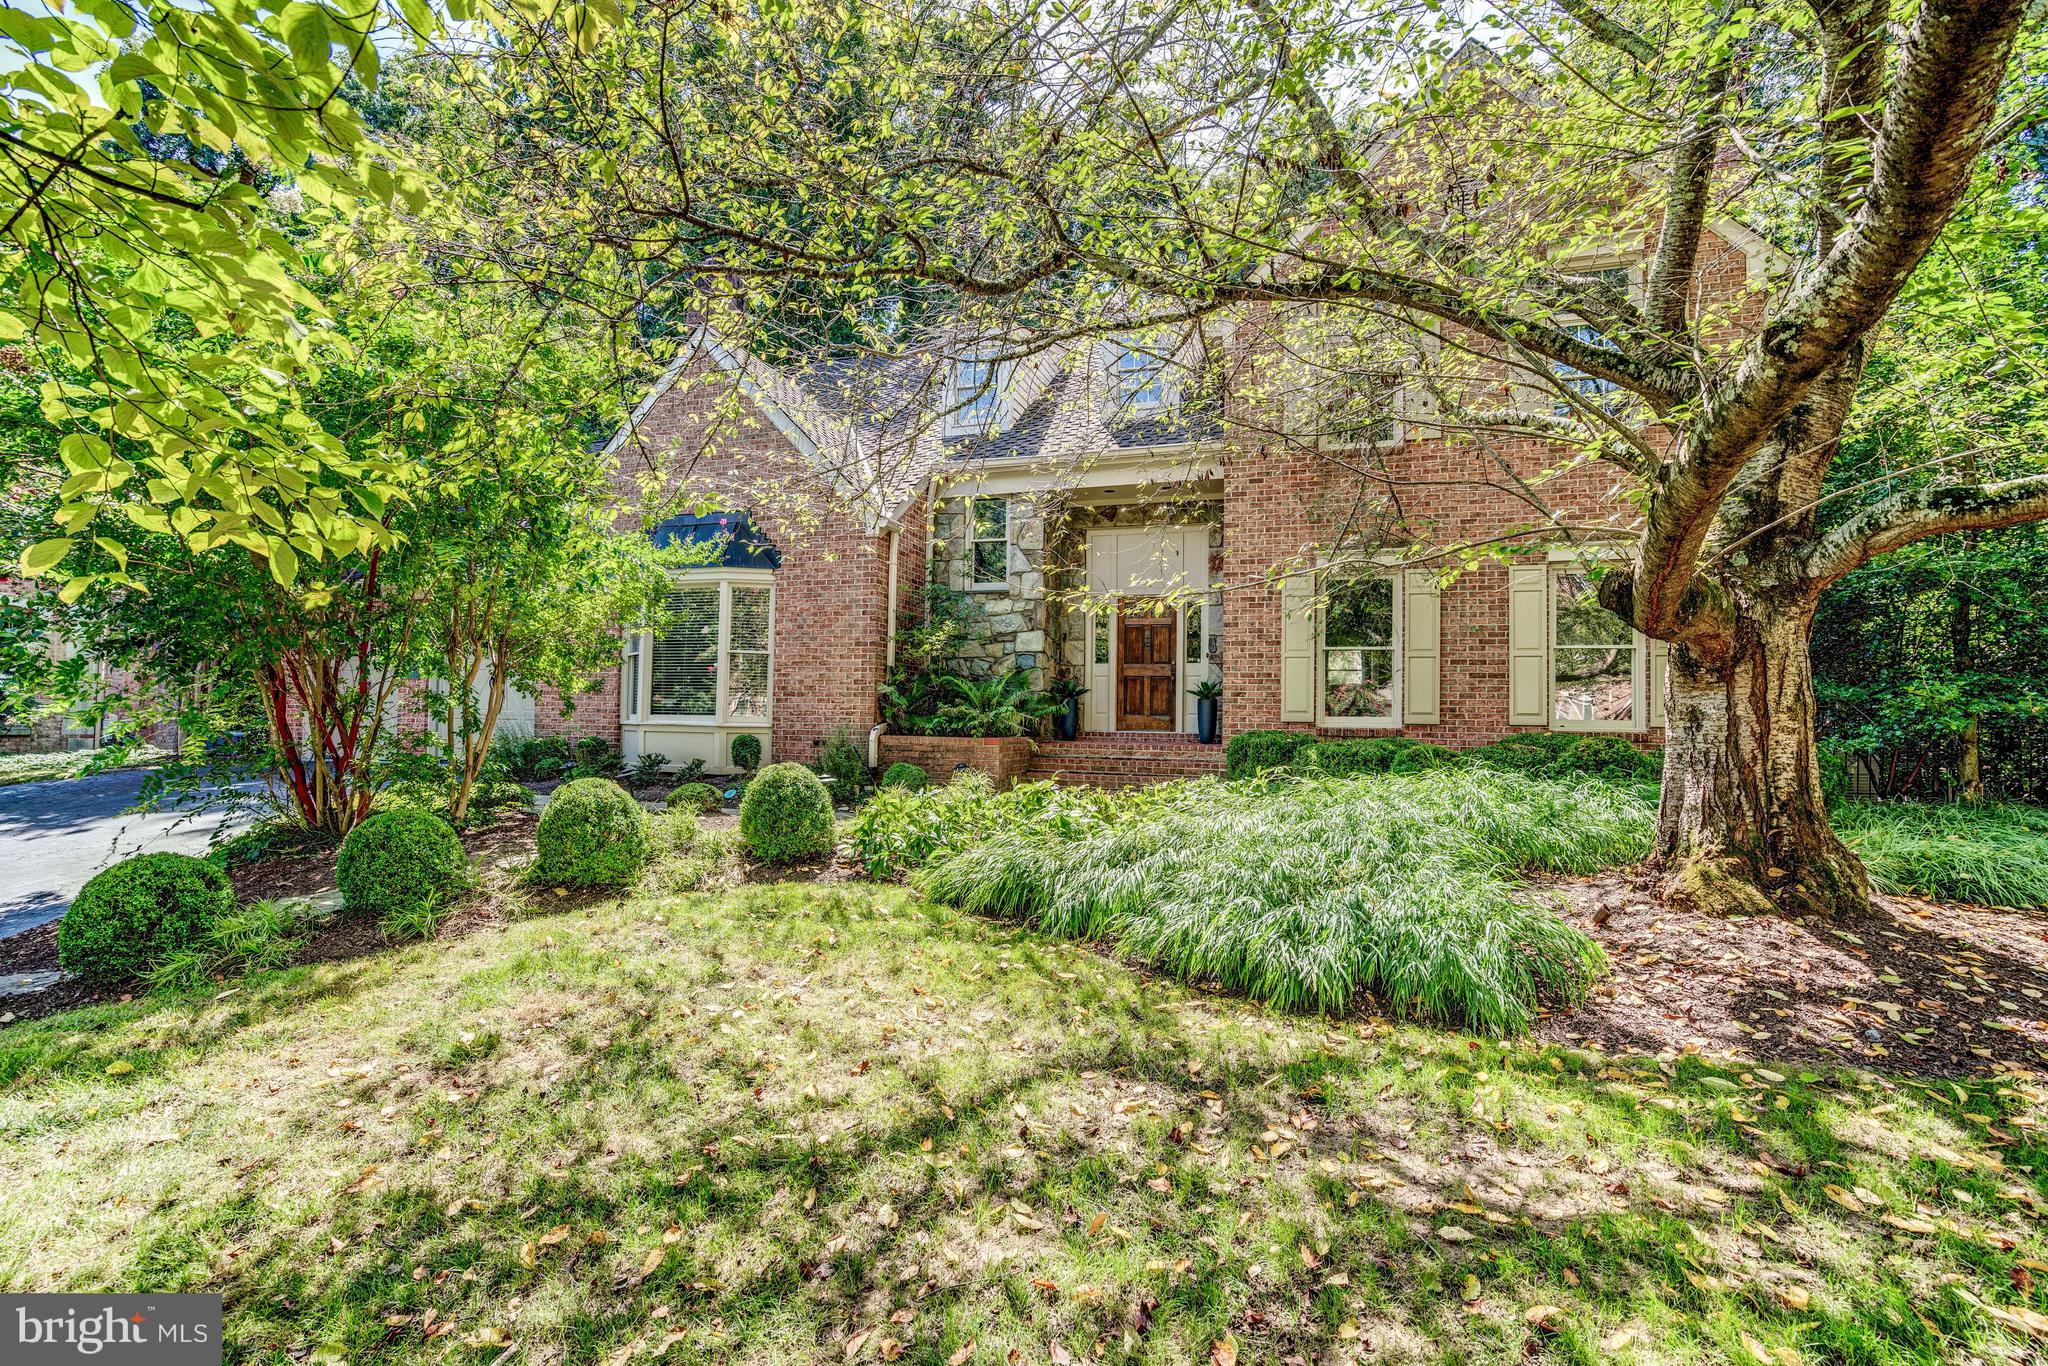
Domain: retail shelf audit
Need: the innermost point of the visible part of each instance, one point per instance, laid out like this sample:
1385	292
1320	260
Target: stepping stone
22	983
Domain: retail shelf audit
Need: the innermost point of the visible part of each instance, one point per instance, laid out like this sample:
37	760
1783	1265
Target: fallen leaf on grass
1540	1315
961	1354
1223	1353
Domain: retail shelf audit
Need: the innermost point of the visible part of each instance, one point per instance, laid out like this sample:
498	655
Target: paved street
55	835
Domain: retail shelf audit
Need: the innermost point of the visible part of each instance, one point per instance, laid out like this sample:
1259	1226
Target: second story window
1594	390
1140	380
971	402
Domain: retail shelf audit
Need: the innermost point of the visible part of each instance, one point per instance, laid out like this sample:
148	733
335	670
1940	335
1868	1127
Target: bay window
711	662
1359	653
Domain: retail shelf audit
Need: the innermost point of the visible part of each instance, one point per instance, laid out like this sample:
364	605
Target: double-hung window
1140	380
1596	659
1360	653
988	542
1596	392
972	397
711	662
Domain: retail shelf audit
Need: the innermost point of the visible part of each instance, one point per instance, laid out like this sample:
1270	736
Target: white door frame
1115	562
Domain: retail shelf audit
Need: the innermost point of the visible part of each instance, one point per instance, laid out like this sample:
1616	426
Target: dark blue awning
743	545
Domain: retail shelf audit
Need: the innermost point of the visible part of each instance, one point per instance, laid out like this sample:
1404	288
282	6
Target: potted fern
1208	695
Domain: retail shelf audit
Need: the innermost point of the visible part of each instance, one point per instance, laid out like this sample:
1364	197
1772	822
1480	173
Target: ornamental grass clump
1308	893
1994	855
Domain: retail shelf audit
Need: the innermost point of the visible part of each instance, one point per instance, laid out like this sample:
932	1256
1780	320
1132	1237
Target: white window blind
685	665
747	646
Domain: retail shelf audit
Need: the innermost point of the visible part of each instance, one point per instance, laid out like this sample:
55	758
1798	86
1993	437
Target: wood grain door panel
1146	670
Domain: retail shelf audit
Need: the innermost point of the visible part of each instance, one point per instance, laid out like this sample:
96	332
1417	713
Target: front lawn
793	1123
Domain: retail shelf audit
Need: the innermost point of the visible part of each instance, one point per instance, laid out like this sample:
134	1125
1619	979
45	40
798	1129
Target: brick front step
1127	760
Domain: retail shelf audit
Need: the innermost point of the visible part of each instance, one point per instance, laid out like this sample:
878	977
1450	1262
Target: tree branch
1908	517
1611	31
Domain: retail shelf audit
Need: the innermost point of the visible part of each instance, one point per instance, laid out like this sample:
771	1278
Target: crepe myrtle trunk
1743	827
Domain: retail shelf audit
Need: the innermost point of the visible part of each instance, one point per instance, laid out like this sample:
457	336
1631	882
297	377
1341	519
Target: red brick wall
1005	761
831	591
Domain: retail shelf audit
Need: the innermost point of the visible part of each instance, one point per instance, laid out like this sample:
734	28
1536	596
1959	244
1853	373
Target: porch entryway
1131	759
1154	638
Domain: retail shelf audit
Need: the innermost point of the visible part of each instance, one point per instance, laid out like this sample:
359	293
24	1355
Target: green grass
755	1126
1307	893
1995	855
43	768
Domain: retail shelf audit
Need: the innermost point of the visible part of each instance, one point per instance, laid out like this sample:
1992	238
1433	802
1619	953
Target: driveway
56	835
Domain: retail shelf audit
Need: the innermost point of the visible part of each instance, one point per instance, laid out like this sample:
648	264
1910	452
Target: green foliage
137	913
1310	894
1995	854
746	752
534	758
415	920
1250	753
786	814
907	776
592	834
842	762
1560	754
648	770
596	757
903	828
399	860
253	937
694	797
1379	754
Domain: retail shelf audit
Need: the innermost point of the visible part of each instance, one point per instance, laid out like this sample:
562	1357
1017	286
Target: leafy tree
1144	168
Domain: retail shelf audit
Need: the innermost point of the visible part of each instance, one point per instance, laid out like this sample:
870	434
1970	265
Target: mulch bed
1913	987
493	849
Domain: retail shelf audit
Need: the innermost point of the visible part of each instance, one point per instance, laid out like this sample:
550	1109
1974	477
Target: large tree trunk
1743	827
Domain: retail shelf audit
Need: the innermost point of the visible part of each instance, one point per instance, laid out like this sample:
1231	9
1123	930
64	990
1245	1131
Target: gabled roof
873	426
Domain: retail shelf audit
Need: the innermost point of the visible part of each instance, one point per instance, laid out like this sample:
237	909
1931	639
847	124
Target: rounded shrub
591	835
699	797
399	861
746	752
139	912
786	814
907	776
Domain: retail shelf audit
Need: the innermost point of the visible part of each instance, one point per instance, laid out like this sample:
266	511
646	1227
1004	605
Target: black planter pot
1209	718
1070	719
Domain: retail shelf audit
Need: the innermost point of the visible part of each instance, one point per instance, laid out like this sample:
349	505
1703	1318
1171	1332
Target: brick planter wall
938	755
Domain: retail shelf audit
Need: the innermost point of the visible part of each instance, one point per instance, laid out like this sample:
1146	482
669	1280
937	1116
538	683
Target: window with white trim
713	662
1140	380
1597	392
988	542
1596	659
1360	653
973	390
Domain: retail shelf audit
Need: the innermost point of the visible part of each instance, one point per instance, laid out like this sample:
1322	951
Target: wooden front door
1145	670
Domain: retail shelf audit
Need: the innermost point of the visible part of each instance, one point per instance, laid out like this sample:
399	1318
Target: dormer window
1141	380
974	392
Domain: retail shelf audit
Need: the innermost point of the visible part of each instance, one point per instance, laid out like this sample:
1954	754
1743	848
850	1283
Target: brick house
1138	516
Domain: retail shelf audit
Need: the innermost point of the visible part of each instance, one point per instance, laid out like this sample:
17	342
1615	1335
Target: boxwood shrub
699	797
908	776
746	752
399	861
786	814
1378	754
591	835
1252	752
139	912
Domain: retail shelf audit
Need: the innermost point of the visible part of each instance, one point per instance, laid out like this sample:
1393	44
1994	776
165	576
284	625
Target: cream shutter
1528	638
1421	648
1660	659
1297	649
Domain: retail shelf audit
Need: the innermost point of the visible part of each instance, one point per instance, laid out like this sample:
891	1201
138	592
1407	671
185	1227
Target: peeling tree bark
1743	826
